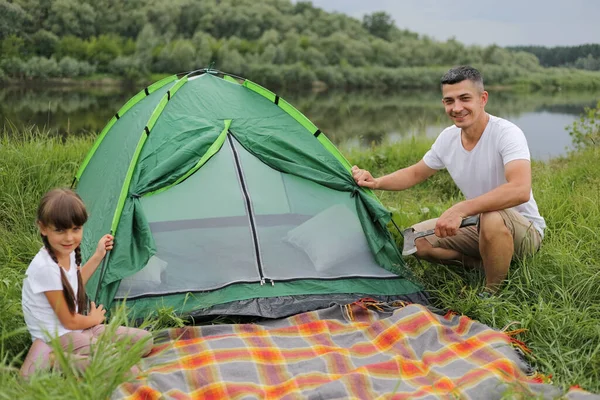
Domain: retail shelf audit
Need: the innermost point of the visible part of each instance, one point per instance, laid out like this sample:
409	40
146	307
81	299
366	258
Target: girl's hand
97	313
105	244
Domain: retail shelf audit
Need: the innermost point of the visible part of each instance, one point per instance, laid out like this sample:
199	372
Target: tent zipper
249	209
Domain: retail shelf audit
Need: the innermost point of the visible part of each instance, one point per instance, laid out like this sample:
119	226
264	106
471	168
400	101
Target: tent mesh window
236	220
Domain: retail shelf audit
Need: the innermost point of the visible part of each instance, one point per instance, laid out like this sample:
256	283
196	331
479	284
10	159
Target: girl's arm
57	300
105	243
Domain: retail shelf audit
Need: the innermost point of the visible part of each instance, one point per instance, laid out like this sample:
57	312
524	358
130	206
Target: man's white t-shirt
43	275
481	170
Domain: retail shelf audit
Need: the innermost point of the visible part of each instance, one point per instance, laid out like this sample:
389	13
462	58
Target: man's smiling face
464	103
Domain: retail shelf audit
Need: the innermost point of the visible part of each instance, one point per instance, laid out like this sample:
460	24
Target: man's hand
448	223
364	178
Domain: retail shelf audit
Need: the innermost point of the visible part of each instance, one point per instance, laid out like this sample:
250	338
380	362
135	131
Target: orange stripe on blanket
145	393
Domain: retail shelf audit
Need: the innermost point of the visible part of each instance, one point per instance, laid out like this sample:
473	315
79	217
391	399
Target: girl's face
62	241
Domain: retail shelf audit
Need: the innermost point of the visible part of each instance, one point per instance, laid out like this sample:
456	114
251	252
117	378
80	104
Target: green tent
225	199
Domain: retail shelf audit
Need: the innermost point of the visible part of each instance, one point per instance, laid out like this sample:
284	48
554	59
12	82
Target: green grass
555	295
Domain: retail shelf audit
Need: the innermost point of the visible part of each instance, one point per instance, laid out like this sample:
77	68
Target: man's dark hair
462	73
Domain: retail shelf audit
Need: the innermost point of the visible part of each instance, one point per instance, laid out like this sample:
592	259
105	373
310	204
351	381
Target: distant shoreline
69	82
315	86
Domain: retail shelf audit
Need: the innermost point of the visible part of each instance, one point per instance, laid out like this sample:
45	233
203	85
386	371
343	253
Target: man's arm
515	191
402	179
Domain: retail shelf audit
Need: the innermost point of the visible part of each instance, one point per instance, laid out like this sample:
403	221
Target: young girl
54	298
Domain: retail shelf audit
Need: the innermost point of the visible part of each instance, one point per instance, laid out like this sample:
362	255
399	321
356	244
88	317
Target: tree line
275	42
585	56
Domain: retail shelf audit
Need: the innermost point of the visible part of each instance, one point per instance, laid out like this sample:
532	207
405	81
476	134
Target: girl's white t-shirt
43	275
481	169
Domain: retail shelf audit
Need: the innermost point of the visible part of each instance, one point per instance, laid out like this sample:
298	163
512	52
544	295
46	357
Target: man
488	159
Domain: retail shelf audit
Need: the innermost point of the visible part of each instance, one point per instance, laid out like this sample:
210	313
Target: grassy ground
555	295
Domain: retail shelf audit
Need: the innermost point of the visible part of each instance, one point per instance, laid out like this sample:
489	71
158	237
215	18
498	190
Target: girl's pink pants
78	344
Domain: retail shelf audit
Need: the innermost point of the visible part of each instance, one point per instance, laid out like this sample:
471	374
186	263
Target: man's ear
484	97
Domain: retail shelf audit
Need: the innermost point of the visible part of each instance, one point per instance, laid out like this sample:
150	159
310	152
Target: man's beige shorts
526	238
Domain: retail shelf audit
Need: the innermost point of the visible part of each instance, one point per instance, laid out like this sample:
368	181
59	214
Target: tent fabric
364	350
186	142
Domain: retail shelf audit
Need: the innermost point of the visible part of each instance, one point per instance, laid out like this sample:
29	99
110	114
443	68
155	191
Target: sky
485	22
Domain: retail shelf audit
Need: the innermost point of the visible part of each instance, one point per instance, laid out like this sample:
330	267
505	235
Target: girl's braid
67	289
82	299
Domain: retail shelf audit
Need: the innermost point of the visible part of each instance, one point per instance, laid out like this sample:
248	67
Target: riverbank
318	79
553	296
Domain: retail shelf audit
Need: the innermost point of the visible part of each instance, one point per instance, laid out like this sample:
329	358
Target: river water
349	119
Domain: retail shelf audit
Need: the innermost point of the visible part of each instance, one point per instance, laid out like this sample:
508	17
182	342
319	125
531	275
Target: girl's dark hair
64	209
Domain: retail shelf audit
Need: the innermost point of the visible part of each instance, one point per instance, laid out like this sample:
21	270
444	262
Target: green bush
586	131
128	67
297	75
267	75
44	43
41	68
331	76
177	56
103	49
13	67
12	46
69	67
74	47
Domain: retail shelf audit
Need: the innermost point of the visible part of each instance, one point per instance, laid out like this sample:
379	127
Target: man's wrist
462	209
377	183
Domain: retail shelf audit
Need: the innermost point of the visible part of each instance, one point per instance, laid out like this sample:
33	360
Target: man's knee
492	227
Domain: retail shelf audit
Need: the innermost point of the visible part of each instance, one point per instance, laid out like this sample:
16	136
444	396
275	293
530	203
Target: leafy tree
297	75
41	68
37	12
560	55
13	46
164	18
177	56
357	53
71	17
273	54
128	46
44	43
191	16
230	60
526	60
270	37
379	24
304	7
69	67
590	63
128	67
285	40
313	57
124	18
13	67
73	47
203	43
12	18
146	43
103	49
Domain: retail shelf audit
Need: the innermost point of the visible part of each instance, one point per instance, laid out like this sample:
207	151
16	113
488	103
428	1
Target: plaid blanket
365	350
